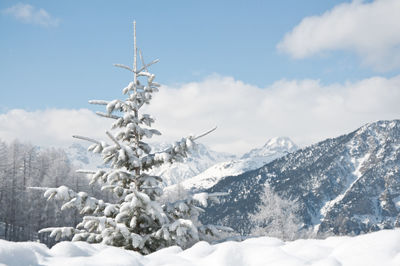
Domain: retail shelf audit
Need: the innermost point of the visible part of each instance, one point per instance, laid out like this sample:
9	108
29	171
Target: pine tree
138	219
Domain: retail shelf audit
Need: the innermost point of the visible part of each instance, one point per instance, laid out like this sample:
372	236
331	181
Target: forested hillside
24	170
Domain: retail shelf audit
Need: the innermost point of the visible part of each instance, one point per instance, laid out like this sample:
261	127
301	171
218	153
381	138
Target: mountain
273	149
202	168
198	160
83	159
345	185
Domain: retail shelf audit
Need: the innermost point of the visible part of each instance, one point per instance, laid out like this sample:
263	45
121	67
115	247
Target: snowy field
379	248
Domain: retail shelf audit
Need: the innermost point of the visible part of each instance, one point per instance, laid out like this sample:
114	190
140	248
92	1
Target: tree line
25	171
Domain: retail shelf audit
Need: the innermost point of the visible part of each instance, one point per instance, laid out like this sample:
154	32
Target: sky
308	70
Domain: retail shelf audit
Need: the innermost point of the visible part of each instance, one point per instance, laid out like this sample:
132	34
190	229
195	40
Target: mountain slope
273	149
349	184
198	160
83	159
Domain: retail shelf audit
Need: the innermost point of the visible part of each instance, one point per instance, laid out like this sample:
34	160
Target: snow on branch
60	232
38	188
141	59
86	138
107	115
60	193
175	152
147	65
82	171
204	134
99	102
113	139
124	66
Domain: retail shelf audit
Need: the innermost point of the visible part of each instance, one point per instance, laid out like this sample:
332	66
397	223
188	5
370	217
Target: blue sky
64	65
60	54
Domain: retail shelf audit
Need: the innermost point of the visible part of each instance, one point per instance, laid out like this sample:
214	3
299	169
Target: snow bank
379	248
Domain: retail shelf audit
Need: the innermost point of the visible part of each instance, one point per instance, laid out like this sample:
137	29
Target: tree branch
123	66
86	138
100	102
113	139
204	134
108	115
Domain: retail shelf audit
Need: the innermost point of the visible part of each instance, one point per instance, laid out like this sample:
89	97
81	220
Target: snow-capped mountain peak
273	149
344	185
199	159
277	145
203	168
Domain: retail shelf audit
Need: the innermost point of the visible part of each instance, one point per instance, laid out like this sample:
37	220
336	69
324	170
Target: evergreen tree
138	219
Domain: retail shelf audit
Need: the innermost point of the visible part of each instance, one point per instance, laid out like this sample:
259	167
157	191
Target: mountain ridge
344	185
201	163
274	148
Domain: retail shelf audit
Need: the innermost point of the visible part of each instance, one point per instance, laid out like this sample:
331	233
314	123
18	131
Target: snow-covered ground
379	248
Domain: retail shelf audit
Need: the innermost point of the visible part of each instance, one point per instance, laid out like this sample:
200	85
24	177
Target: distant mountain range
203	168
345	185
199	160
82	159
273	149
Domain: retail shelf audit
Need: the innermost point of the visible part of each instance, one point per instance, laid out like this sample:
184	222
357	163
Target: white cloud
53	127
32	15
247	116
305	110
370	29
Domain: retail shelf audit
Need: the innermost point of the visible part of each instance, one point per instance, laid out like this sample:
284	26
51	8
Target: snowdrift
379	248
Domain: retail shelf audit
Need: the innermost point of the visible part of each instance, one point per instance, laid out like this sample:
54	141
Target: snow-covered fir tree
139	218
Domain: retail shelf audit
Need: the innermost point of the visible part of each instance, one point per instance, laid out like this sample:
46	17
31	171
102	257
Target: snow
378	248
81	158
256	158
201	198
203	168
199	160
396	202
358	164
